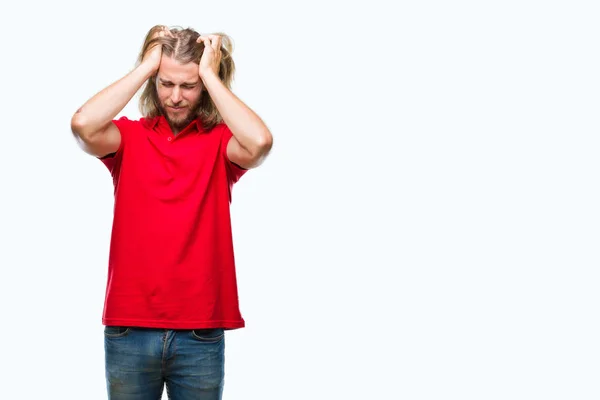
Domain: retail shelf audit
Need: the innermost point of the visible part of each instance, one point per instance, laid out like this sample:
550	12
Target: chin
178	119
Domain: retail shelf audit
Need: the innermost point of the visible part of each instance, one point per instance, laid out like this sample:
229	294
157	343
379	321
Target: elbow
264	144
260	150
79	126
82	128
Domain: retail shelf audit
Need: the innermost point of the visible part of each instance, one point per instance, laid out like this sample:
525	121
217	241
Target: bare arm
92	124
252	140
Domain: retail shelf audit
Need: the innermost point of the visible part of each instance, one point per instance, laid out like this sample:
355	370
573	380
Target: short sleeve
234	171
112	160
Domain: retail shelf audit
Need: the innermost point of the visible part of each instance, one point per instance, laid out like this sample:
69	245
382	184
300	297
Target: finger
202	39
207	45
213	42
158	31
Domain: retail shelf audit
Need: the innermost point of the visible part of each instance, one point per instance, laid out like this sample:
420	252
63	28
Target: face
179	88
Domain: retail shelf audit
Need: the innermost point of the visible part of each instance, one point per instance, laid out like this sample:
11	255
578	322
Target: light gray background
426	226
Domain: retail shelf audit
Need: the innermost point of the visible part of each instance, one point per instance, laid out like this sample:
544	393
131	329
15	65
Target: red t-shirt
171	262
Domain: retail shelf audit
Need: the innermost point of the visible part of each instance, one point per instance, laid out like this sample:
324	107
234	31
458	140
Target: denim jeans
139	362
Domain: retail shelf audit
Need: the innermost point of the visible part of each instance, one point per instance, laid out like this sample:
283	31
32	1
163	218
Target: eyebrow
185	83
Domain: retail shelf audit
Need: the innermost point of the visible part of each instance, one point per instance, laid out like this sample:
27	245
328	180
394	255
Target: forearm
247	127
102	108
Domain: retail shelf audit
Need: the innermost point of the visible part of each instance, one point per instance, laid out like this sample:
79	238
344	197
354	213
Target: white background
426	226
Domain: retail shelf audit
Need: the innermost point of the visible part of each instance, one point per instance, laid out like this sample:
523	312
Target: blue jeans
141	361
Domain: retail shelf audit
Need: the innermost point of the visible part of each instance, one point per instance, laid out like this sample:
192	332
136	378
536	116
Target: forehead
173	71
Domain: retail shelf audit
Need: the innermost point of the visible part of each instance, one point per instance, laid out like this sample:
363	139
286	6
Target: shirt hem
225	324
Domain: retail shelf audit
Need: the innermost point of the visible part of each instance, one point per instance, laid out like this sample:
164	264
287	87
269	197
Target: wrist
147	69
209	77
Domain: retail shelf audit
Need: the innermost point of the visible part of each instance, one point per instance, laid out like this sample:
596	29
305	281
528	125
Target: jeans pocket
210	335
116	331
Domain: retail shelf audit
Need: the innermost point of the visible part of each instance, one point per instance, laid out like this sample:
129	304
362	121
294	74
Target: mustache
176	105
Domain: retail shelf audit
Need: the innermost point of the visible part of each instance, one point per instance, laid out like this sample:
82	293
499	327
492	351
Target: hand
153	54
211	56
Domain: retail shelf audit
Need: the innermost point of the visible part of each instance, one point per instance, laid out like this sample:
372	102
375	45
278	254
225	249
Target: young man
171	292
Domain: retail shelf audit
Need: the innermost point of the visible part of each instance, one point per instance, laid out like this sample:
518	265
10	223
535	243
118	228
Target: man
171	292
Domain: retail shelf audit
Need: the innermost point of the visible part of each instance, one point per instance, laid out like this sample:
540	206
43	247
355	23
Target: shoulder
126	123
127	129
218	133
221	129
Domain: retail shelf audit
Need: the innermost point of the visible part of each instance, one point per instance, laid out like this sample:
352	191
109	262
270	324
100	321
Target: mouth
177	109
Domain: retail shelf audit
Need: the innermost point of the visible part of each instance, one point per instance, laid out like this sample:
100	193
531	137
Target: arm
252	140
92	124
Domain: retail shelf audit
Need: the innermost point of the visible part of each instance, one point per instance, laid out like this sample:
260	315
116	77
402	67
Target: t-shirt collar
161	123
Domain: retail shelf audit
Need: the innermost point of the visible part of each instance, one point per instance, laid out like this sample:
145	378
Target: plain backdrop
426	226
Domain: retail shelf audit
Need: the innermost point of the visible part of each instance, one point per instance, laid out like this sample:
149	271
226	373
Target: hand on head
211	56
153	53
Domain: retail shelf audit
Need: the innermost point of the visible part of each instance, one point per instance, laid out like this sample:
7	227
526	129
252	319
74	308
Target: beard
178	121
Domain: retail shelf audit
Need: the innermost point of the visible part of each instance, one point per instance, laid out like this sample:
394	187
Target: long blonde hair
183	47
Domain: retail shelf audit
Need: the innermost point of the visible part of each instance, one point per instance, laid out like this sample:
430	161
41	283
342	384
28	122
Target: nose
176	95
